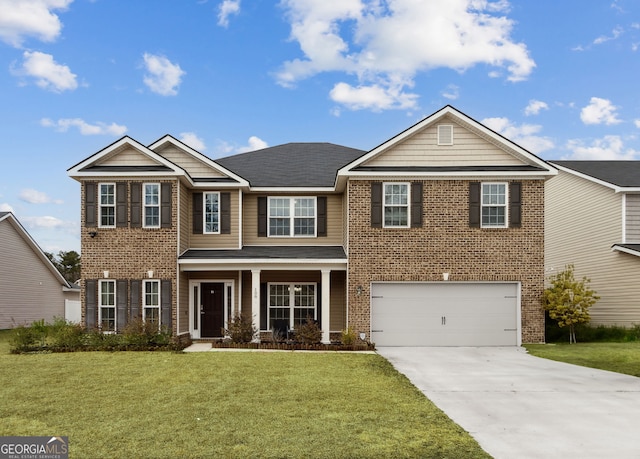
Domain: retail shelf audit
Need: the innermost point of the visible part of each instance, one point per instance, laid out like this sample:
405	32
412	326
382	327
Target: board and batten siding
30	291
582	221
422	149
335	227
632	218
194	167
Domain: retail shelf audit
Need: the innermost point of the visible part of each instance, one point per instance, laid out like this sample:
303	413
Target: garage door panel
444	314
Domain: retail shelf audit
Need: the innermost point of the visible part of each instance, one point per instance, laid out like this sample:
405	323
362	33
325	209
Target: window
212	213
107	307
107	204
494	205
292	217
152	205
151	302
294	303
396	205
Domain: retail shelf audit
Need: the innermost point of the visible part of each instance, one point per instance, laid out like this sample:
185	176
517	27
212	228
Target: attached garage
445	314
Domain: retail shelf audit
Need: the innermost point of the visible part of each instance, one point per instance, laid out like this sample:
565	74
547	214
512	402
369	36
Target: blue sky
226	76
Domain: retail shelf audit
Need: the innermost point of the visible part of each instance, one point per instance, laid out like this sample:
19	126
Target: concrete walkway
519	406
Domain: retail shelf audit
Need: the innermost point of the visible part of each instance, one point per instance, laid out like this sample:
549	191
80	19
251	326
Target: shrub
66	336
348	336
22	339
309	332
241	329
139	334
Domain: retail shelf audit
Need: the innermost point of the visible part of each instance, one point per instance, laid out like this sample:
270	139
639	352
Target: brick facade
446	243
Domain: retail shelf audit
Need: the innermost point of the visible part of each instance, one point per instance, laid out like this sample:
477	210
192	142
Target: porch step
198	347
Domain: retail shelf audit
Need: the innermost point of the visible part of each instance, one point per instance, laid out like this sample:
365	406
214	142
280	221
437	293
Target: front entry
212	310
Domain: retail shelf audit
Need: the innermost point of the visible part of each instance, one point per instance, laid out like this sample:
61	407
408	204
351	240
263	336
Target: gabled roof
22	232
292	165
528	163
619	175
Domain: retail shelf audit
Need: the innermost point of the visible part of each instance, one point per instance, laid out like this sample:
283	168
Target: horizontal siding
216	241
29	290
582	221
128	157
335	230
422	149
632	218
192	165
185	205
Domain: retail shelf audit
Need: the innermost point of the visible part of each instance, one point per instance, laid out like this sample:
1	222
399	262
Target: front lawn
618	357
224	404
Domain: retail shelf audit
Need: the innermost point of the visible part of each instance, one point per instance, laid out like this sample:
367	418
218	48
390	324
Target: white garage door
444	314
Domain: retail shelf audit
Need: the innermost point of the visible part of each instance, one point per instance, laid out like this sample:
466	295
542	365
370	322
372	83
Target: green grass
224	404
618	357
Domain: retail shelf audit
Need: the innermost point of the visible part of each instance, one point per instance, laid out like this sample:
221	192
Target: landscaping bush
590	334
309	332
241	329
349	336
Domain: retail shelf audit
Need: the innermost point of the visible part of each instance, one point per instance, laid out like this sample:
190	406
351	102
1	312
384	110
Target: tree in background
68	263
568	300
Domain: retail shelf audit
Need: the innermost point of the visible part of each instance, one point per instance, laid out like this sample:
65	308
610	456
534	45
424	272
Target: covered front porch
272	285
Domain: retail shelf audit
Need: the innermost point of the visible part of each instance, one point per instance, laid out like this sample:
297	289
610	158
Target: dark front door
212	312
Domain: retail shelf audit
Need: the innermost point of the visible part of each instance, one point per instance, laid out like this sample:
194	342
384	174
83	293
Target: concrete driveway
519	406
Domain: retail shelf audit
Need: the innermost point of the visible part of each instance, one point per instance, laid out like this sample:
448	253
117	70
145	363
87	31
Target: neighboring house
32	288
434	237
593	222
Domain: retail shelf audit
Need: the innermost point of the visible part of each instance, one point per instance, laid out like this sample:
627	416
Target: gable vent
445	134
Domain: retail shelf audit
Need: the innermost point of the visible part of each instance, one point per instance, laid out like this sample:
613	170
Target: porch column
326	305
255	300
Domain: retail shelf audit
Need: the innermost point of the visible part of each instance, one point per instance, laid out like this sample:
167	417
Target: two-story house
435	237
593	222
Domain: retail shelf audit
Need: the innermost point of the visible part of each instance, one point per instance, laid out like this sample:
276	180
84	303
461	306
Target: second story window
494	205
212	213
107	205
292	217
152	205
396	205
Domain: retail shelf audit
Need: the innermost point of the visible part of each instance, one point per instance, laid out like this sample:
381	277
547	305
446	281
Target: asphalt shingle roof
292	164
619	173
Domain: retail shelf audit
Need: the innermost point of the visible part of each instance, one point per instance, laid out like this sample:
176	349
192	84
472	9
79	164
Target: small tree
568	300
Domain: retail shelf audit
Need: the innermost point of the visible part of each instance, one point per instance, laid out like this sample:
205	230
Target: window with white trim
395	202
211	212
151	302
107	305
107	205
293	303
151	205
292	216
494	205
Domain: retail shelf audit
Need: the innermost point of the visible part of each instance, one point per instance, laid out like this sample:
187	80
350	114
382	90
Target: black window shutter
197	213
515	204
165	205
416	205
322	216
134	299
90	204
121	304
91	303
474	204
264	311
376	204
165	303
121	204
225	213
262	216
136	205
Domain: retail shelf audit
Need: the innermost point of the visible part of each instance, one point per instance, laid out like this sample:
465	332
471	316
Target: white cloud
48	73
609	147
30	18
191	139
535	106
46	222
227	8
163	76
599	111
99	128
615	33
523	135
5	207
255	143
37	197
637	123
451	92
385	44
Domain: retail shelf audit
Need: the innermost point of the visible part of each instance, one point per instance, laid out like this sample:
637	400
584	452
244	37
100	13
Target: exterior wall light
445	276
359	290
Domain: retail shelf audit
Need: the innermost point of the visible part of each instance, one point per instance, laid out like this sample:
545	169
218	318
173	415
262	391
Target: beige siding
338	300
335	227
30	291
128	157
217	241
632	217
583	221
185	218
422	149
193	166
